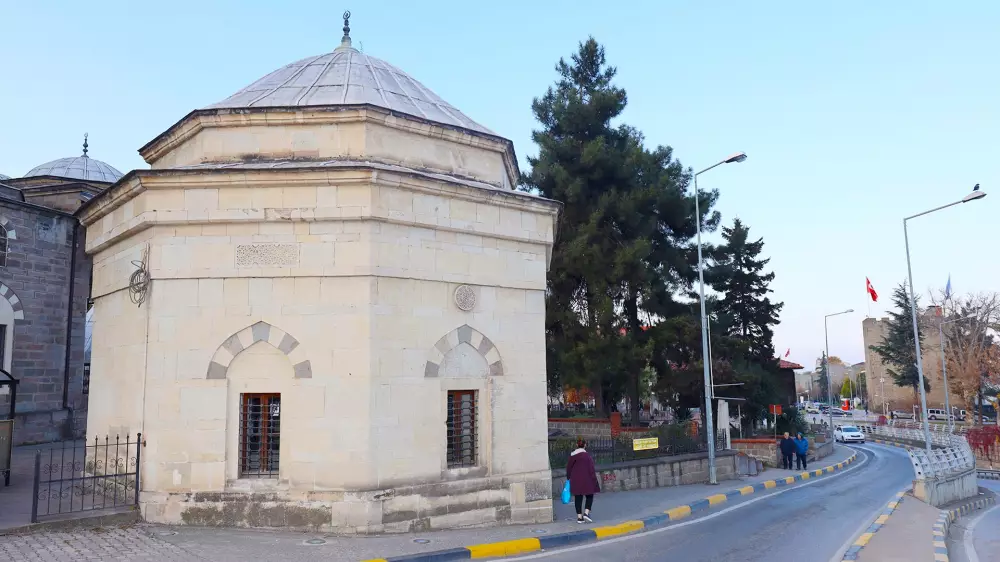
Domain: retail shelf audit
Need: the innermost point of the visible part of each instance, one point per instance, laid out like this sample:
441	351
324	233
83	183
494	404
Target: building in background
787	382
44	289
883	394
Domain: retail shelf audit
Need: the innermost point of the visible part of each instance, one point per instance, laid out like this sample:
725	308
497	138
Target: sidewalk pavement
15	500
917	531
906	536
615	513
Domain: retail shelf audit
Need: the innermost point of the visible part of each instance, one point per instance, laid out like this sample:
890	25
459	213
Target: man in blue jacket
802	450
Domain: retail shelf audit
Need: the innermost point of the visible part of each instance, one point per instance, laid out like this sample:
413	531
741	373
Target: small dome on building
3	177
348	77
78	167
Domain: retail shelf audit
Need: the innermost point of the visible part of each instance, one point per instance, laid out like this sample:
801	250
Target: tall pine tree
581	156
739	275
823	379
624	245
897	349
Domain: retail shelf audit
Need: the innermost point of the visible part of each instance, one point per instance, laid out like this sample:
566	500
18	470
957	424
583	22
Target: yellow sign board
646	444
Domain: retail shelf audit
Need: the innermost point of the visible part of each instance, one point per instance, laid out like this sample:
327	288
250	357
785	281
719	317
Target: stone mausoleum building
44	287
343	324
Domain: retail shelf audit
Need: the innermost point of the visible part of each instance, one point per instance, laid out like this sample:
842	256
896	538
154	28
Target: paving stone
124	544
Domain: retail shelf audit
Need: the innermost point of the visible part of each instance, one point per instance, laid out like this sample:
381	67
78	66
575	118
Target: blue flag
947	289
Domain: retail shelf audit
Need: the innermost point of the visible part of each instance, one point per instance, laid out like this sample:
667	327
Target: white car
848	434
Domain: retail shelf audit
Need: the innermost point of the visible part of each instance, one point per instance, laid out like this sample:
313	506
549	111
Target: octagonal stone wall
335	288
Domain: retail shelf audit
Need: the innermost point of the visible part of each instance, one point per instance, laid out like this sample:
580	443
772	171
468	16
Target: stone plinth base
475	502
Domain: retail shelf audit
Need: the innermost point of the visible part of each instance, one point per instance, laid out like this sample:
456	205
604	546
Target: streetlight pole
976	194
829	380
706	355
944	367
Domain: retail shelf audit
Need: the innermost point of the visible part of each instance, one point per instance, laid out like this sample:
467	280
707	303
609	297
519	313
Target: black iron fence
87	476
673	439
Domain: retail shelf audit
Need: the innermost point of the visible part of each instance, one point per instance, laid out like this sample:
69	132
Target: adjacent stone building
343	327
44	288
883	394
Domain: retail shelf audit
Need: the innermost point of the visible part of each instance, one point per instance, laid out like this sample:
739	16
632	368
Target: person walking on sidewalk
802	450
788	449
582	476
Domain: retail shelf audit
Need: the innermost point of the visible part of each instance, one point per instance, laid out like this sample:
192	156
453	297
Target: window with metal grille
259	435
463	429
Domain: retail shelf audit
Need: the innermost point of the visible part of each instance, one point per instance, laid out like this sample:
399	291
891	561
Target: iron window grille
260	429
463	429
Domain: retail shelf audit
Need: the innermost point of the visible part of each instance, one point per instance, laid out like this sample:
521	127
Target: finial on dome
85	145
345	41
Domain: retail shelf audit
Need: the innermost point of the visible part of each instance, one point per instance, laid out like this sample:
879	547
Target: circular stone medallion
465	297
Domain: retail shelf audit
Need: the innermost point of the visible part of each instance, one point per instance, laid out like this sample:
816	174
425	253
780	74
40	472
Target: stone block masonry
657	473
36	286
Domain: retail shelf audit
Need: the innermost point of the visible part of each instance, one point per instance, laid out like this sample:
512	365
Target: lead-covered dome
348	77
78	167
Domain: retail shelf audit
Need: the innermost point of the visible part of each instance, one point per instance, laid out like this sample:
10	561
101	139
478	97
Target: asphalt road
976	538
813	521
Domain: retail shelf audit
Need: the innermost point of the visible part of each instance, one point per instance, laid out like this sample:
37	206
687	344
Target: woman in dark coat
582	476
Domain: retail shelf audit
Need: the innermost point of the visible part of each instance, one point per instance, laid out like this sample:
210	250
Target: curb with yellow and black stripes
862	541
945	520
532	544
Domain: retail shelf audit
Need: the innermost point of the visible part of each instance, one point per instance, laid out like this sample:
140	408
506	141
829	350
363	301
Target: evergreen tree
739	274
823	379
897	349
624	242
847	389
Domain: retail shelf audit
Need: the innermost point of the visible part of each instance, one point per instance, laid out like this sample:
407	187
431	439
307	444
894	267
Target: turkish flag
871	290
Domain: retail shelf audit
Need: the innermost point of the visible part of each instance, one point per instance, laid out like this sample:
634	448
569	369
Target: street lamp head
976	194
736	158
849	310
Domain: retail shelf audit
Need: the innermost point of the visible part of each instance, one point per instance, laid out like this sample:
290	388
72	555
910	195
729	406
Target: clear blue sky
853	115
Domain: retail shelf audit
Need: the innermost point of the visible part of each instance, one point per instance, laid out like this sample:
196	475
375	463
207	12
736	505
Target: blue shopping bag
566	496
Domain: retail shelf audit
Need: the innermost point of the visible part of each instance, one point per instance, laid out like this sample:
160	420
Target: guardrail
950	454
988	474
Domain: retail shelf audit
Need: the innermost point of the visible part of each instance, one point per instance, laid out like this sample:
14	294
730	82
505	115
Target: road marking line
849	550
721	512
968	545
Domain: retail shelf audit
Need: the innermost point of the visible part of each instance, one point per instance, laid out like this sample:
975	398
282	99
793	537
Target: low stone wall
819	450
657	473
766	449
31	428
590	428
939	491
